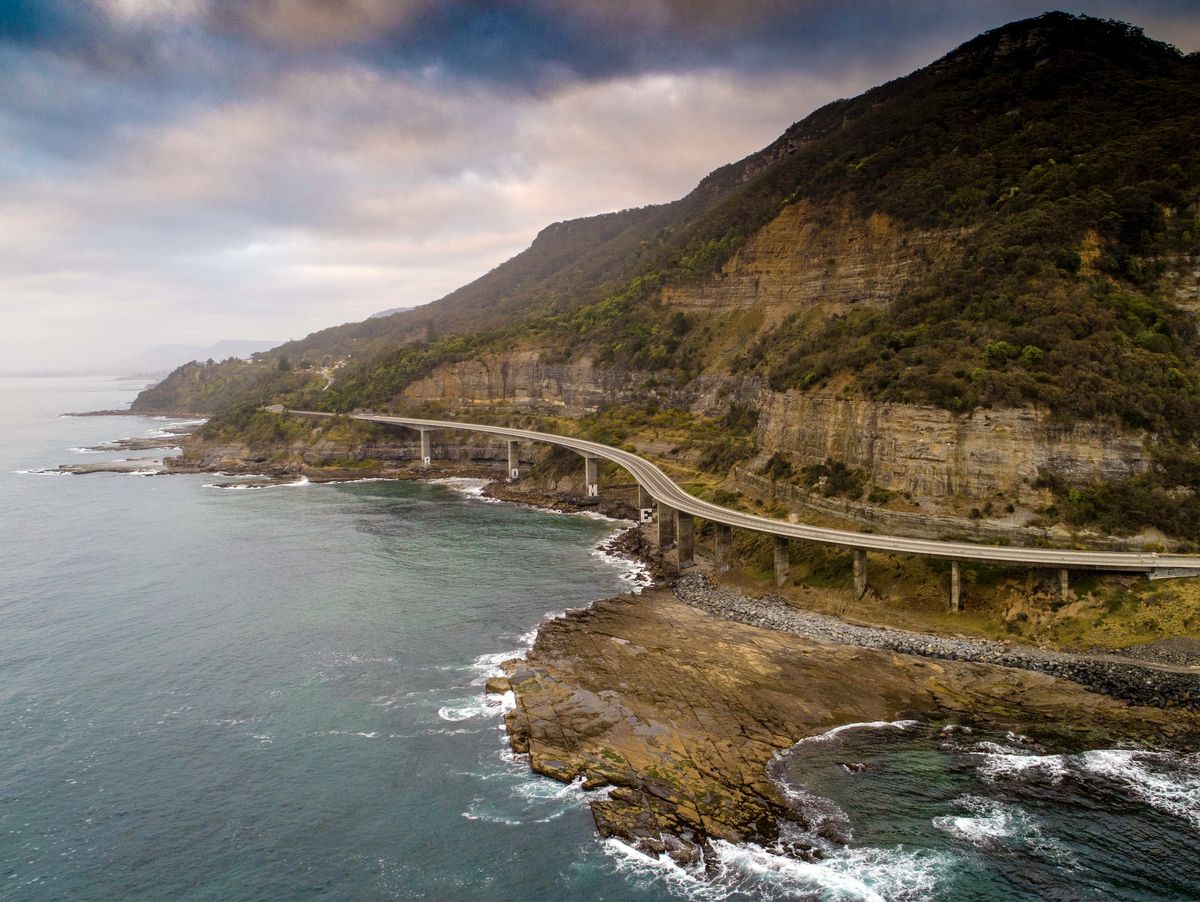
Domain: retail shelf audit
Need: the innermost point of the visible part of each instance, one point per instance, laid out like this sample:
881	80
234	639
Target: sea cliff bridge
676	510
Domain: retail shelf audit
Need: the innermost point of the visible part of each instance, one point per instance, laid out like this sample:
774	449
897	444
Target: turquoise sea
276	693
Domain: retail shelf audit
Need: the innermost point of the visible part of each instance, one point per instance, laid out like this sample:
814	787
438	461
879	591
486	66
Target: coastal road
664	490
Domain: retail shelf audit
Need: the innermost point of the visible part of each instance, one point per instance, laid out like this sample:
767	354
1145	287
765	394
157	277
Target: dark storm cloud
533	44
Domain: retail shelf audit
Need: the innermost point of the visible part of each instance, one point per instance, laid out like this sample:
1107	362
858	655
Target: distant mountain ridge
392	311
166	357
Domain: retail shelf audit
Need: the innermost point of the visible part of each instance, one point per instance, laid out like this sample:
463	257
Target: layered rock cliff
820	258
977	277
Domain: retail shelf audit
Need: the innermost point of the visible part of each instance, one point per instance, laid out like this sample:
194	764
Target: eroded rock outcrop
680	712
812	258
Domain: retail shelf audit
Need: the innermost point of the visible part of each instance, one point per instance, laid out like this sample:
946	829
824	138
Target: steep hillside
1004	243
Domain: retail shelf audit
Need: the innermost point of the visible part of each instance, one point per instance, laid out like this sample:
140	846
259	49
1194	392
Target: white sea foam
469	709
552	789
596	515
491	818
87	450
471	487
990	824
1168	783
487	666
1003	764
866	725
634	572
987	821
749	870
847	873
244	487
689	882
45	472
170	431
1176	792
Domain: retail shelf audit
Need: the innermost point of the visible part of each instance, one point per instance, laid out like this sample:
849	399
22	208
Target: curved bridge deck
670	496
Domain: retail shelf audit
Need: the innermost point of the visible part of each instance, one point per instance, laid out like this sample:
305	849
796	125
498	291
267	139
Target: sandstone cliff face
519	379
935	454
808	258
931	453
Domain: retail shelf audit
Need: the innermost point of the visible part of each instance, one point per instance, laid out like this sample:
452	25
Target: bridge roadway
664	490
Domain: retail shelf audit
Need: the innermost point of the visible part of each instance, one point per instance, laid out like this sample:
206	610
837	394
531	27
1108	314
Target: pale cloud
333	194
162	182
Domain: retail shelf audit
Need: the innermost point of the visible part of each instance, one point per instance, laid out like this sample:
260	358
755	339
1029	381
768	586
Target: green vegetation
833	478
205	388
1167	498
256	427
266	430
377	382
1056	158
1072	173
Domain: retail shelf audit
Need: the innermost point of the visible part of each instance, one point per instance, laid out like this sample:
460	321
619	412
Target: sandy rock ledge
679	713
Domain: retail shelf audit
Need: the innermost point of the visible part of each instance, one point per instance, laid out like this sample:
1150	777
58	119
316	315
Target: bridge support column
514	460
783	559
860	572
645	505
426	448
955	587
683	539
1064	584
591	469
722	546
666	528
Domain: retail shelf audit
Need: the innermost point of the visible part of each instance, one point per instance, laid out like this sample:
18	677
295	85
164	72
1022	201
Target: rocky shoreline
1166	685
678	713
677	701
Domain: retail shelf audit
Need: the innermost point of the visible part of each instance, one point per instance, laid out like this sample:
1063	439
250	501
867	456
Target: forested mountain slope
977	283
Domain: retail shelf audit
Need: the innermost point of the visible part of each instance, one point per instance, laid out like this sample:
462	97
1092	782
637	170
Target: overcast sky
192	170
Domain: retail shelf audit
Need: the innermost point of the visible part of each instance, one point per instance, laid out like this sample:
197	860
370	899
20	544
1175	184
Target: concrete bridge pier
591	468
666	528
955	587
514	460
722	546
1064	584
426	448
783	559
860	572
645	504
684	539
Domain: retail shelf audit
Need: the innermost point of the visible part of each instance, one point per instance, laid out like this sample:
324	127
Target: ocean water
277	694
270	694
